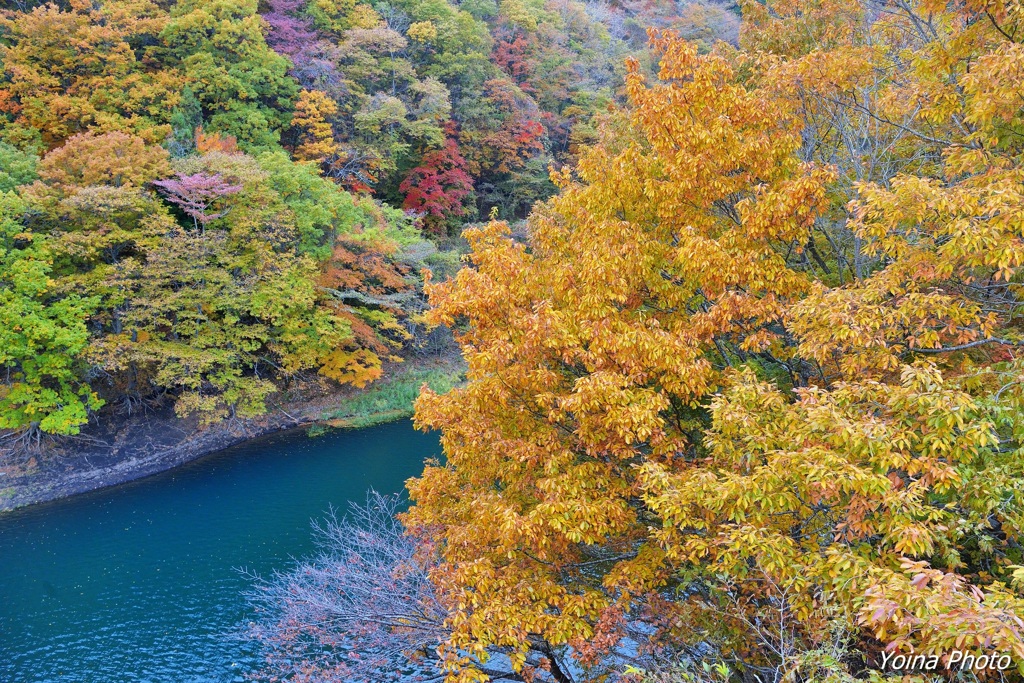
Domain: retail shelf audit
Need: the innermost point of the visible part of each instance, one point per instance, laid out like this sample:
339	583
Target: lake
139	582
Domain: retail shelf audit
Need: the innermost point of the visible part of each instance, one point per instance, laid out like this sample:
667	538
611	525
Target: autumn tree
369	575
162	244
403	74
438	188
682	426
194	194
115	159
82	67
218	313
502	139
291	31
313	131
595	354
218	307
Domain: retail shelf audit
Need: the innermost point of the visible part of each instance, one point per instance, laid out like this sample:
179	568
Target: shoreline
138	447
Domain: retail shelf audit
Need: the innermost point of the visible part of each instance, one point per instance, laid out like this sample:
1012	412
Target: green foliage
42	333
185	120
332	16
242	84
321	210
206	309
392	398
480	9
216	314
16	167
110	292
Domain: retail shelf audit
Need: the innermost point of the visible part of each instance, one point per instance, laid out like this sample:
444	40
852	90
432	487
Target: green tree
16	167
242	85
185	120
42	336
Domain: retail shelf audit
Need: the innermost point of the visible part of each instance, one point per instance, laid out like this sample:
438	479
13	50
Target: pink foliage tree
290	33
195	195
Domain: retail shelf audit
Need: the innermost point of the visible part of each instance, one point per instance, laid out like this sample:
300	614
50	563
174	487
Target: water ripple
136	583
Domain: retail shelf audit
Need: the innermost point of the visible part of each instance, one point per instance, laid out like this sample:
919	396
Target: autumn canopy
745	389
752	390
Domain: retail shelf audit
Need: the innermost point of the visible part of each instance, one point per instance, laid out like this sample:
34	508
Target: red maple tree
438	187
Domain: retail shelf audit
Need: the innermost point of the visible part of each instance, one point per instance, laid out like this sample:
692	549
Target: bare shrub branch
361	609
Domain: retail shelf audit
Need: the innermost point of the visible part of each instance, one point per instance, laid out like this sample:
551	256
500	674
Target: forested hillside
203	202
744	395
747	404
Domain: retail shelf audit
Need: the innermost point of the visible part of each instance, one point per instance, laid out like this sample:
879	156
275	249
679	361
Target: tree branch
969	345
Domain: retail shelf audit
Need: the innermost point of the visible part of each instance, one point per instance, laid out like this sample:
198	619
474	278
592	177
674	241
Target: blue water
138	583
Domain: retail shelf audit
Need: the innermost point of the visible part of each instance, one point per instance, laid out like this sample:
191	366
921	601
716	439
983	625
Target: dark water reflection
137	582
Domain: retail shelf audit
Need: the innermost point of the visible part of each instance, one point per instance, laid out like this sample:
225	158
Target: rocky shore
119	448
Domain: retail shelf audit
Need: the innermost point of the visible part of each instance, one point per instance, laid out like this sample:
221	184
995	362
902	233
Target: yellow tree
679	415
80	67
314	134
591	351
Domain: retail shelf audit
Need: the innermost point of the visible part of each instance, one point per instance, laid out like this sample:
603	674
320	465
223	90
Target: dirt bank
119	448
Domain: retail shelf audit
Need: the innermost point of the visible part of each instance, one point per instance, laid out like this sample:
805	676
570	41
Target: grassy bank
391	398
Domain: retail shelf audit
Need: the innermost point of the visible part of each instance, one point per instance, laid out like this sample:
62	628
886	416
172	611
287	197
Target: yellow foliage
311	121
422	31
588	349
358	368
759	350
